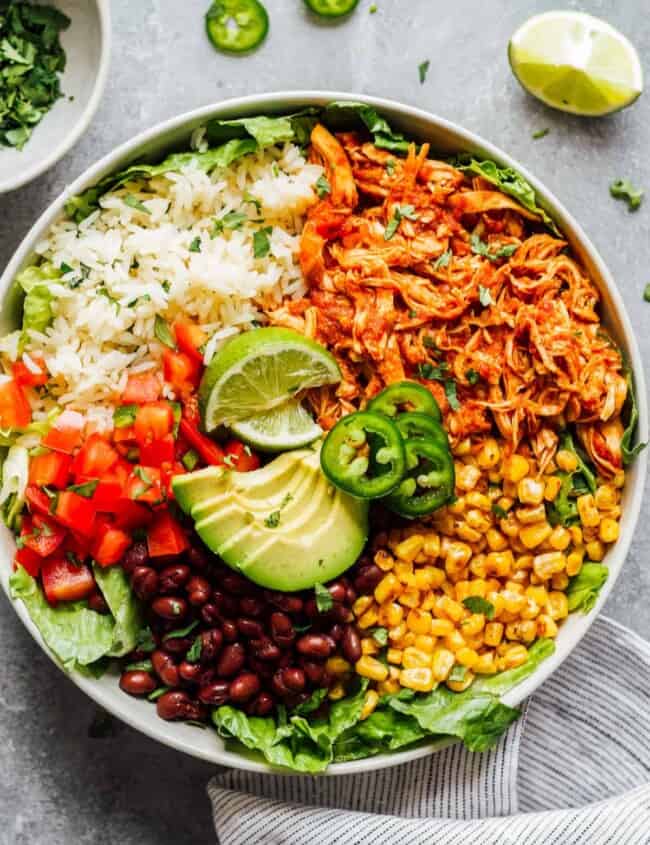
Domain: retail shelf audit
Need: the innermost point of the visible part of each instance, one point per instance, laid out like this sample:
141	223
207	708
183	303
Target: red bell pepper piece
141	387
211	453
15	411
24	376
43	536
38	501
107	495
166	536
94	459
153	422
240	457
190	338
109	543
29	561
51	469
66	433
130	515
158	452
181	371
145	485
75	512
169	471
64	581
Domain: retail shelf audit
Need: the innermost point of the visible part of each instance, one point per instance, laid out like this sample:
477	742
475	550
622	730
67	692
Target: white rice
138	265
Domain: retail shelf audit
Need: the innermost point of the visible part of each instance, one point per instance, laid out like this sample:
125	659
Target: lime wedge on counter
251	384
576	63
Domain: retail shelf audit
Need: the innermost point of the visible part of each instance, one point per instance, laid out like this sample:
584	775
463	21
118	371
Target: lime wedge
254	376
576	63
288	426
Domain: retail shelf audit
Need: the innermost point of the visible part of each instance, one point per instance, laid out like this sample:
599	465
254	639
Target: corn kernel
454	641
477	587
394	655
409	549
370	668
473	625
530	491
390	614
395	634
470	535
534	535
526	631
388	588
428	600
560	581
441	627
478	566
501	563
464	447
515	468
370	702
495	540
605	497
489	455
460	686
546	626
531	514
552	487
486	664
336	692
574	562
404	571
407	640
368	619
443	662
457	507
384	560
589	516
361	605
546	565
424	577
557	605
478	500
595	550
537	594
493	633
566	460
523	563
559	539
576	535
530	610
467	477
467	657
608	530
337	666
413	658
451	609
512	602
409	598
418	679
419	621
369	646
516	655
431	546
425	642
389	687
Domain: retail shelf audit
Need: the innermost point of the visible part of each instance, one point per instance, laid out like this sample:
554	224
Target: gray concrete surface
58	784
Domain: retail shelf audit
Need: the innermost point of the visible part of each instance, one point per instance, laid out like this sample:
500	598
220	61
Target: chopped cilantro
499	512
623	189
380	636
190	459
646	293
442	260
390	166
134	202
450	393
472	376
86	489
479	247
145	641
541	133
323	187
324	600
272	520
423	69
194	653
400	213
195	246
433	372
249	198
261	242
485	297
457	673
477	604
163	332
232	220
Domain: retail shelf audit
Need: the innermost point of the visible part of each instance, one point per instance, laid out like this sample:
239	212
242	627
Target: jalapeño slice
415	424
405	396
236	26
364	455
331	8
429	480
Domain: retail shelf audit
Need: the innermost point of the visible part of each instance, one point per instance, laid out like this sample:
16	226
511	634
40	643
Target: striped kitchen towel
574	769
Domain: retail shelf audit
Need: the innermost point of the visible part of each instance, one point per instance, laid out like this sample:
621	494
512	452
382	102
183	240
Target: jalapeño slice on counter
415	424
429	480
405	396
364	455
236	26
331	8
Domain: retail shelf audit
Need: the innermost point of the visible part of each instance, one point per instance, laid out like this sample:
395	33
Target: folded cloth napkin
574	769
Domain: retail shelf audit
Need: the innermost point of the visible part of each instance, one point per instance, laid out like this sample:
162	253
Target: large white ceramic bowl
444	137
87	46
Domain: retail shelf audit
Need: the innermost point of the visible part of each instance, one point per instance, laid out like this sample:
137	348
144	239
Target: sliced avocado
283	526
195	487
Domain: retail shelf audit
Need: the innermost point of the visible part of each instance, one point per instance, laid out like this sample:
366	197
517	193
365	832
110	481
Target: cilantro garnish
261	242
623	189
479	247
195	246
232	220
499	512
134	202
324	600
541	133
472	376
423	69
484	296
646	293
401	212
163	332
323	187
477	604
442	260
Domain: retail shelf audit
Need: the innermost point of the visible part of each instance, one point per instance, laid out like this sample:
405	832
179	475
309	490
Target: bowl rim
173	735
79	127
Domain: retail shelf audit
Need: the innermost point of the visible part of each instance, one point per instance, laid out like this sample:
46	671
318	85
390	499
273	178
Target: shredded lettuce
508	180
629	451
475	716
584	587
266	131
115	588
35	282
15	473
563	510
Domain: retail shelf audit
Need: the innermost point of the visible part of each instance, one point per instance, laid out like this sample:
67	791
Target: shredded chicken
418	272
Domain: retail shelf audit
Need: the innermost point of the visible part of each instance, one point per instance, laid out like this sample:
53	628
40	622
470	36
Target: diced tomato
14	407
210	452
153	422
181	371
170	471
240	457
42	535
107	495
76	512
130	515
38	501
140	388
158	452
166	536
51	469
66	433
190	338
95	458
75	548
124	435
27	377
63	581
145	485
29	561
109	543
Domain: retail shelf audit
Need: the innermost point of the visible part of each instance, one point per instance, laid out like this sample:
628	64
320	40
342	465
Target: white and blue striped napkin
574	769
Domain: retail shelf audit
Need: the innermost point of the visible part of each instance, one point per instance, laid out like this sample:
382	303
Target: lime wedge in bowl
252	383
576	63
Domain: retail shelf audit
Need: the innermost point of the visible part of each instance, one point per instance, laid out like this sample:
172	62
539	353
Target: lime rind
287	426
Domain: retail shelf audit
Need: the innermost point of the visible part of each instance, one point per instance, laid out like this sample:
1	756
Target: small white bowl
445	137
87	43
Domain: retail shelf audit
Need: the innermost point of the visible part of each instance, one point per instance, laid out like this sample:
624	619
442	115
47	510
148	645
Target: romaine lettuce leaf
584	587
508	180
124	607
629	451
564	508
76	635
344	115
35	281
15	473
267	131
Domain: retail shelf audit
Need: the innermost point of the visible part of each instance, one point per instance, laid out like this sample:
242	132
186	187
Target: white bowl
444	137
87	46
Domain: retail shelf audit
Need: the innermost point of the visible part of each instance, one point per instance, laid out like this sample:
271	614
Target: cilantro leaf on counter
623	189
